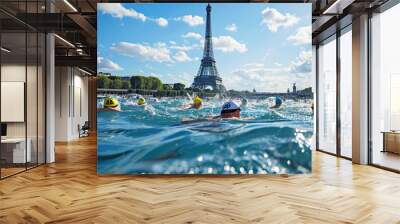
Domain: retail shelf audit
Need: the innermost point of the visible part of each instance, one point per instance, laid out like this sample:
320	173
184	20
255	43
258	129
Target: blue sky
259	45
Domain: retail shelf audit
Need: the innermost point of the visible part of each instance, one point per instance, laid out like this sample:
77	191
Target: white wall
33	126
71	94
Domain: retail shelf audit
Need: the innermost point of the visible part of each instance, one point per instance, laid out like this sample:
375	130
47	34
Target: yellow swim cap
197	100
110	102
141	101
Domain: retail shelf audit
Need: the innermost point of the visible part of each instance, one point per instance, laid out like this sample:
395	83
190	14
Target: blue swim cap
278	101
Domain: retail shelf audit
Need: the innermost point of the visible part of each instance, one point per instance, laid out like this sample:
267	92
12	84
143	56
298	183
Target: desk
15	148
391	141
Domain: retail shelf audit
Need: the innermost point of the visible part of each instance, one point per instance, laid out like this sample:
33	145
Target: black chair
84	130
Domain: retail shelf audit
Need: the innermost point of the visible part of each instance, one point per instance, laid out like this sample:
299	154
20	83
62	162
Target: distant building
254	90
208	77
294	88
288	90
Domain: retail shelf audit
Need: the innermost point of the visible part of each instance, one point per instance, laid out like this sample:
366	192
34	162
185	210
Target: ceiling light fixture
84	71
64	40
70	5
5	50
337	7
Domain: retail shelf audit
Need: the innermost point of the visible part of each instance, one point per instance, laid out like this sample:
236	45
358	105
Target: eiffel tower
208	77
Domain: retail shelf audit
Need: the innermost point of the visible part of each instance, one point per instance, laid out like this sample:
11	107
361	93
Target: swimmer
155	100
278	103
111	104
197	103
141	101
244	102
230	111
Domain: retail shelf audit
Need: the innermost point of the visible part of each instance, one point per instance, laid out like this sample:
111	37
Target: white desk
18	151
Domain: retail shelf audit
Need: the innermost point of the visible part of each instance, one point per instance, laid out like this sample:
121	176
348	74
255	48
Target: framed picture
197	88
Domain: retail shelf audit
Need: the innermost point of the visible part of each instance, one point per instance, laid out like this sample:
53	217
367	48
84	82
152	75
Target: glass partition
346	93
41	98
31	97
13	109
327	95
385	89
22	88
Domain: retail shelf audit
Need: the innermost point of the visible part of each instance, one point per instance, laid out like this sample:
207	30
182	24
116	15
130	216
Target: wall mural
196	88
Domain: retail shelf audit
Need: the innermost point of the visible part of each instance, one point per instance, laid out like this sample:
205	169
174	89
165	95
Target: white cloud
228	44
302	64
117	10
181	56
253	65
271	79
264	79
161	21
185	47
274	19
191	20
192	35
232	27
223	43
259	77
302	36
181	47
106	65
158	53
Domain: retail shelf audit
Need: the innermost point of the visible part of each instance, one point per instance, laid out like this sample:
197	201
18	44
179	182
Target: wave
141	141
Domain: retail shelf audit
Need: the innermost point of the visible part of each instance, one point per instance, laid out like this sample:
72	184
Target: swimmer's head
278	101
110	102
244	102
141	101
197	102
230	110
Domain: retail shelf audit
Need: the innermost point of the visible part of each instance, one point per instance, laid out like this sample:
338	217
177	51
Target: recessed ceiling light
84	71
5	50
70	5
64	40
337	7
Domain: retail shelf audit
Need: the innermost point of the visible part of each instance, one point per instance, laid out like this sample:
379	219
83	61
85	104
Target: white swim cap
230	106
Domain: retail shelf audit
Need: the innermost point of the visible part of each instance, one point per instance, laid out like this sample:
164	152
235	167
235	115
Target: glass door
346	92
327	95
22	101
14	155
385	90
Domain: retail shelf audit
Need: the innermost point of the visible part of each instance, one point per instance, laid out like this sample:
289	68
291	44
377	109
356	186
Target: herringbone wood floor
69	191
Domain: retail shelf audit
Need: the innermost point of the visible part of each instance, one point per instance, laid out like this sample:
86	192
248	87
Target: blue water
152	139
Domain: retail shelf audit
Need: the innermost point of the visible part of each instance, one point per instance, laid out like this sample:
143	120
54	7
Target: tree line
136	82
147	85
